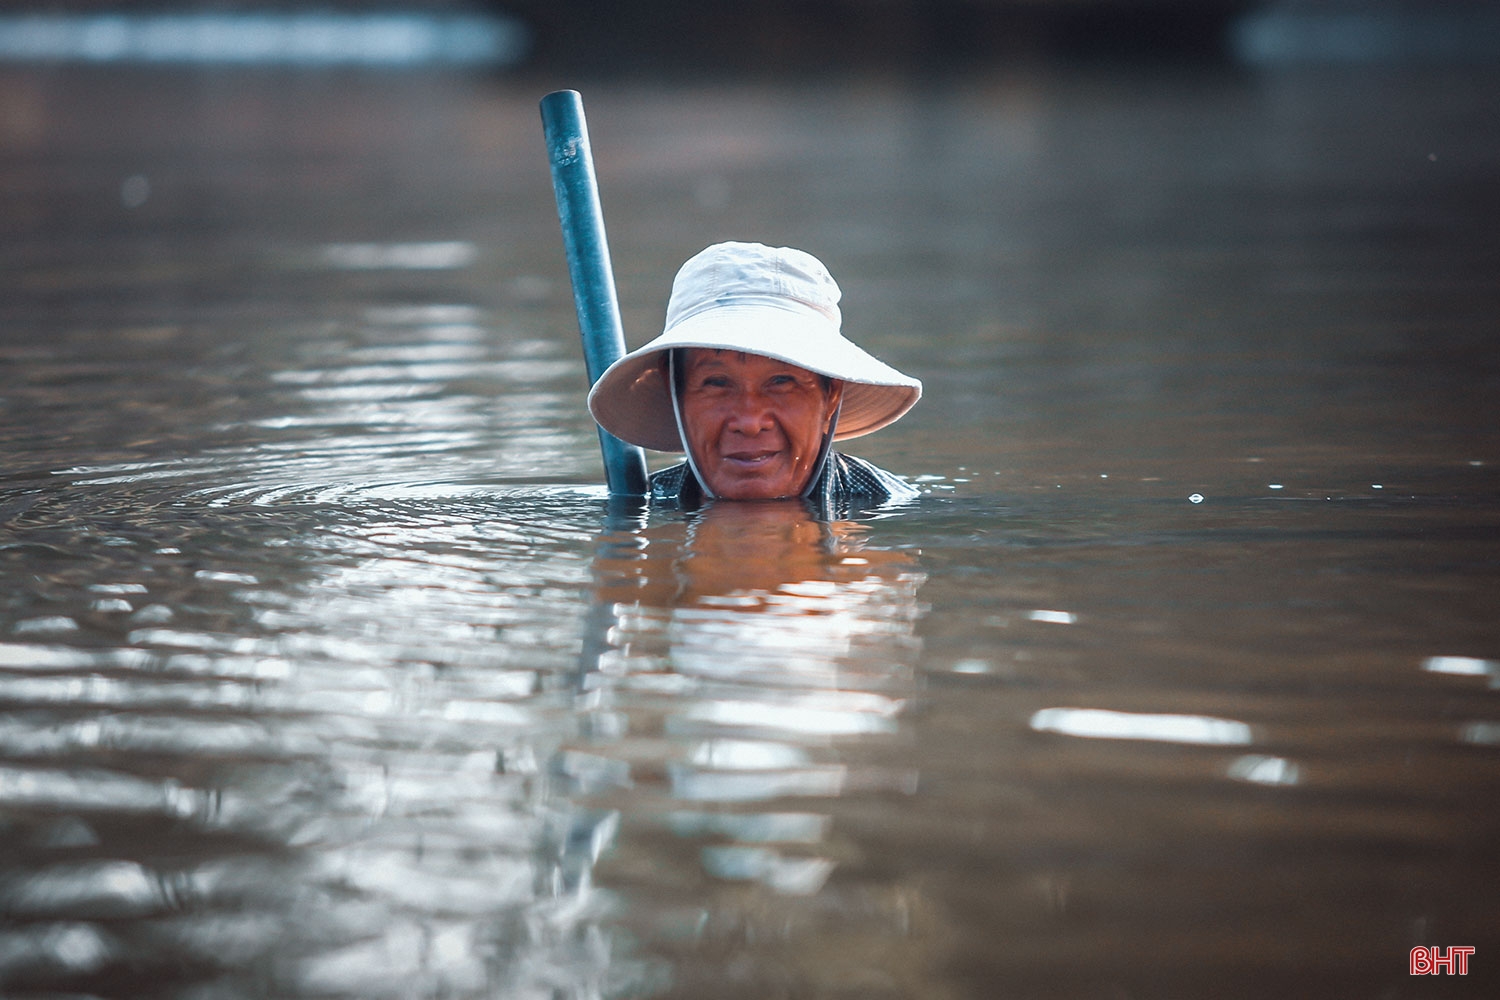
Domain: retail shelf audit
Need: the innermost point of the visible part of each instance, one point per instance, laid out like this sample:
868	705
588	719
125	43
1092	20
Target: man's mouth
748	460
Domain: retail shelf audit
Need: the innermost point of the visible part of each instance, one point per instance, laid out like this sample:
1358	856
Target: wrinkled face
754	424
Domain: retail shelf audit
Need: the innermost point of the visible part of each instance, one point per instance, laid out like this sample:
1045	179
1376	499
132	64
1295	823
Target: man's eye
716	382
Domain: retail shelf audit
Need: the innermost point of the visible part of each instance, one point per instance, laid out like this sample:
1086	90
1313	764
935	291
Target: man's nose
751	414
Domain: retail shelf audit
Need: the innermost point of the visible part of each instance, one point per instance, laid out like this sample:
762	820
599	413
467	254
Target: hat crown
753	275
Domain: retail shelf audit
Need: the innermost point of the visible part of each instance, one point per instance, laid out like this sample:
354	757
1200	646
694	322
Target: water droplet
134	190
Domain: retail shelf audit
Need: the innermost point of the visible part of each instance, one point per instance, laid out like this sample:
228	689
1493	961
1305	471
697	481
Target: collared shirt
847	485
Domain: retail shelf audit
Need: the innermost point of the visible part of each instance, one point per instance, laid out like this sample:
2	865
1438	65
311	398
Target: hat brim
632	401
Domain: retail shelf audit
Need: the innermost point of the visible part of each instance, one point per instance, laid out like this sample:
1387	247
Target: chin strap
823	452
687	449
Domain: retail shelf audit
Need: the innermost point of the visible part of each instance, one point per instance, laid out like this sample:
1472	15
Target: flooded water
326	670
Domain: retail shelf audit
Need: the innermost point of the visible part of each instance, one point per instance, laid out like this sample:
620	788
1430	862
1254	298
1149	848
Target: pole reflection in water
359	760
746	678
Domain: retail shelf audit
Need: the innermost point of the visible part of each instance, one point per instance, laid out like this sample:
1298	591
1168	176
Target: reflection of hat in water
772	301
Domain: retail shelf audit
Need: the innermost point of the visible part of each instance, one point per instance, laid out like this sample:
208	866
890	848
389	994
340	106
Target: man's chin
753	487
752	491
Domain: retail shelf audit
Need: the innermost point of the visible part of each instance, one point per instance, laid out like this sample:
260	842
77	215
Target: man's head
754	426
758	328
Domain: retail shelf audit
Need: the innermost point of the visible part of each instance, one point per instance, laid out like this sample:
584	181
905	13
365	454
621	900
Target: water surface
327	670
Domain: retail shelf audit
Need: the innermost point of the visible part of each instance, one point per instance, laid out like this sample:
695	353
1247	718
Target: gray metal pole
582	220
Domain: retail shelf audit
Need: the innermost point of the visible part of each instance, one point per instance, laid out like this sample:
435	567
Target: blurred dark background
604	38
797	35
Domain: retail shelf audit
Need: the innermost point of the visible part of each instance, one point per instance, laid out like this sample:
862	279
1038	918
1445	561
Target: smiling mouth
751	459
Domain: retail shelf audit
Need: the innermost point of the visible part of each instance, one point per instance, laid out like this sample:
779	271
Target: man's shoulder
669	485
859	478
669	478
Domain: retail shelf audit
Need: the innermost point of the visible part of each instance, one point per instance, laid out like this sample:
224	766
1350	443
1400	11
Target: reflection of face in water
739	549
763	589
756	664
775	647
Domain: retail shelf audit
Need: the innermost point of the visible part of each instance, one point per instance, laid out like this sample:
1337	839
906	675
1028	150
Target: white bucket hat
773	301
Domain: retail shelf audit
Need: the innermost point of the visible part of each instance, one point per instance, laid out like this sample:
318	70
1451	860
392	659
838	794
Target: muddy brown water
326	670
